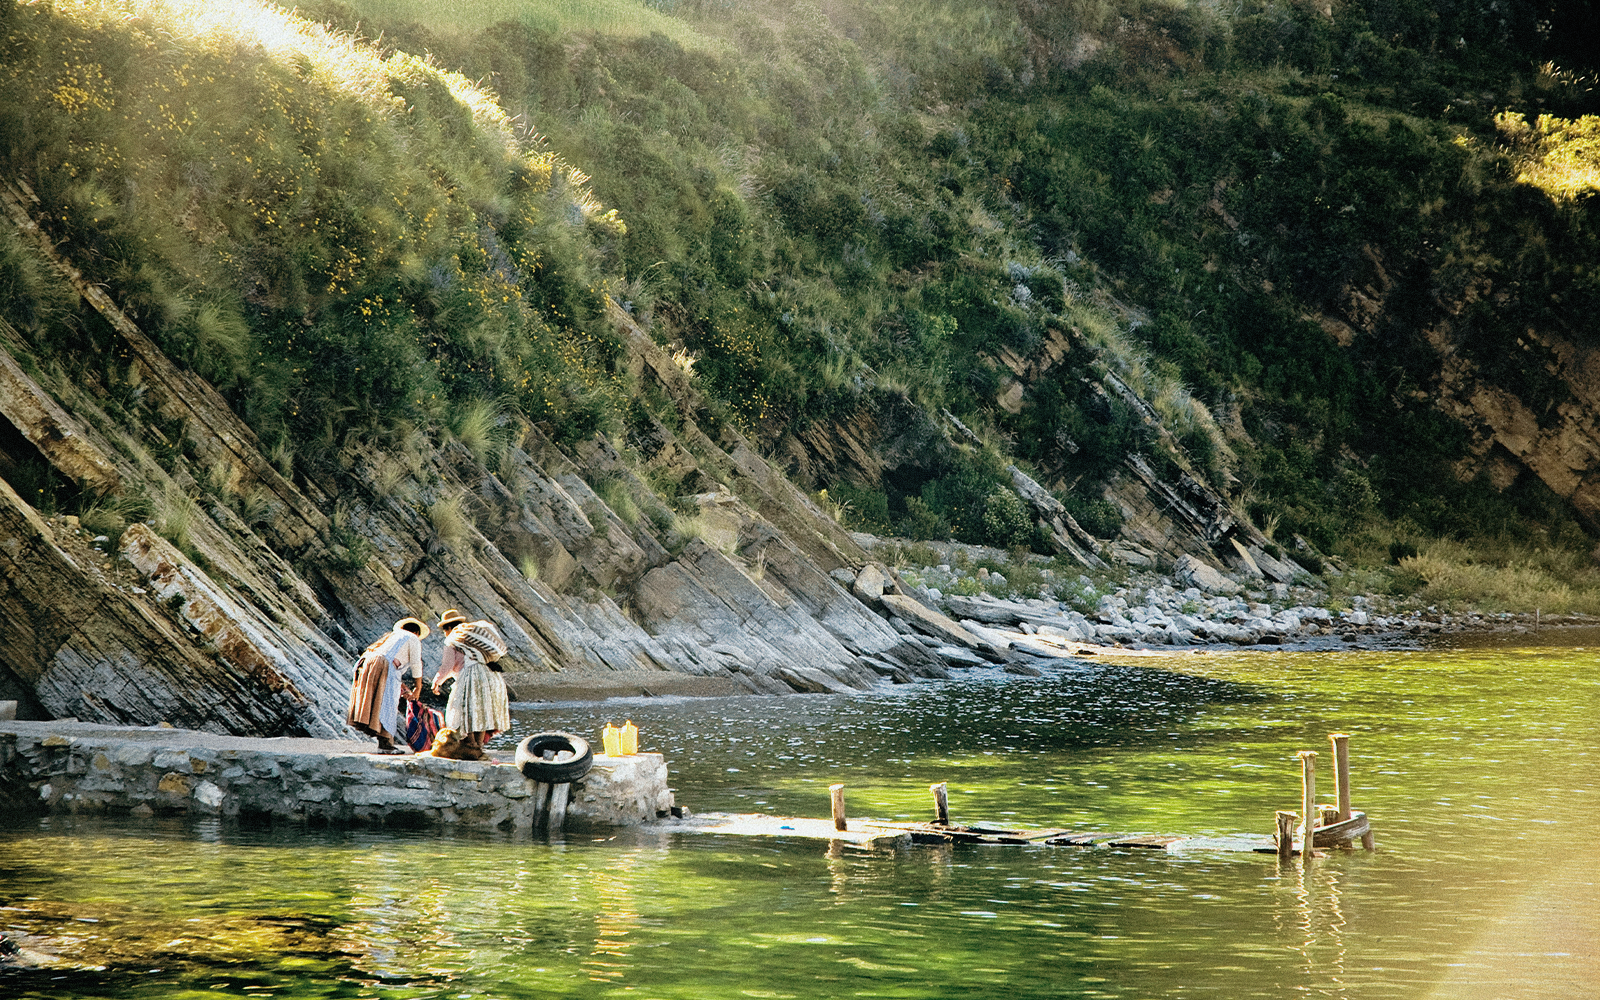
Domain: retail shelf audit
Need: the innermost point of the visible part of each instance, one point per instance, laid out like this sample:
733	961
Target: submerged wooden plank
1085	839
1158	840
762	825
932	834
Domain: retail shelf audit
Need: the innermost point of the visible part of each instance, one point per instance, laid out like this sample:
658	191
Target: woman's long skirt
375	698
478	702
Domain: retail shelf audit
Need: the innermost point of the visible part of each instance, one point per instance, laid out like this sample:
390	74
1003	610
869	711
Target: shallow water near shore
1476	763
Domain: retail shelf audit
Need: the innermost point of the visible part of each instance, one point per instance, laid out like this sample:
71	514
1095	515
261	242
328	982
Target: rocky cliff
248	624
238	604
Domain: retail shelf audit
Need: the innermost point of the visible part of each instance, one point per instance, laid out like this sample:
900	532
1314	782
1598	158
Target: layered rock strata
240	604
245	586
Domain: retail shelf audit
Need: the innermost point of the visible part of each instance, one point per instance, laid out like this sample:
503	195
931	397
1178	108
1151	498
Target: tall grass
1559	156
1496	575
173	514
452	526
617	18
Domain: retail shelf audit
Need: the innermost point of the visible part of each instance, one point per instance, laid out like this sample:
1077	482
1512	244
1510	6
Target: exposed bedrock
239	602
242	590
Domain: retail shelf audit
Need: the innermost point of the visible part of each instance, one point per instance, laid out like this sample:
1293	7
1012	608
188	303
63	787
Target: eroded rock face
1560	446
88	647
250	625
243	615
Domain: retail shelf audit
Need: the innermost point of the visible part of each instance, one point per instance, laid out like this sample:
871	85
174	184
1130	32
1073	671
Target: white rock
1197	574
1071	633
208	795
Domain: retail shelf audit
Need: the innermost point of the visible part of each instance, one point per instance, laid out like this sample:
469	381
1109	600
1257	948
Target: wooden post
558	807
941	804
1286	821
1341	772
1308	799
837	793
541	805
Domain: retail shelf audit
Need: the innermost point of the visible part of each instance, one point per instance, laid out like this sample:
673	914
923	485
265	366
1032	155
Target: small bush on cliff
1005	521
922	522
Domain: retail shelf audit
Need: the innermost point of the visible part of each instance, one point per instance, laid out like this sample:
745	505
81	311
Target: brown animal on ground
449	744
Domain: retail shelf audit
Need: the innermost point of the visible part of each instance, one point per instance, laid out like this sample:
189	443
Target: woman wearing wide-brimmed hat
478	706
375	696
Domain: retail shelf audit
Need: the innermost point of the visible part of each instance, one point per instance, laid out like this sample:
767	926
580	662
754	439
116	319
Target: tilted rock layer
241	604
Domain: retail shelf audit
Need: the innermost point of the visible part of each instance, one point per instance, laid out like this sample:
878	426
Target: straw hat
450	619
423	631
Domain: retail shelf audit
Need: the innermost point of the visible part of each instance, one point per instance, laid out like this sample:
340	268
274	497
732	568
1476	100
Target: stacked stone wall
58	767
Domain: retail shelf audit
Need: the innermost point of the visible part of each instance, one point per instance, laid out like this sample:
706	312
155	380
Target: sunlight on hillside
622	18
1560	156
309	224
336	59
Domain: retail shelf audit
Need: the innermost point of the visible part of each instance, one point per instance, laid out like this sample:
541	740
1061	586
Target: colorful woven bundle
422	724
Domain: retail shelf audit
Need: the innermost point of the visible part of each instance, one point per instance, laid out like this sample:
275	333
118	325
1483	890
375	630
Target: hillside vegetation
397	221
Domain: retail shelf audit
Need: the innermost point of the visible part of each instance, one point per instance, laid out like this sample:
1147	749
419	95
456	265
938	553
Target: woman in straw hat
375	697
478	707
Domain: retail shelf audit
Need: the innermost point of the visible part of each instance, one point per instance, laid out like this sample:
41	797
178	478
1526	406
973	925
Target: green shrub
967	586
922	522
1005	521
864	509
1096	515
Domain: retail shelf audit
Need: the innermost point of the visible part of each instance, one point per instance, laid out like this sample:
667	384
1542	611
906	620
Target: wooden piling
557	819
941	804
541	805
836	792
1341	772
1286	824
1308	800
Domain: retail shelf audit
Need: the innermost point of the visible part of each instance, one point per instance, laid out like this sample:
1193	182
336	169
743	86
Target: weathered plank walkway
873	833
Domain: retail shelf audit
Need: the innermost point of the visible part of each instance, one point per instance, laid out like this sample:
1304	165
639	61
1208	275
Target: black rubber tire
535	767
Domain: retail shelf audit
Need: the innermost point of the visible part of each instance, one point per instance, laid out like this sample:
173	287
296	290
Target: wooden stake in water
941	804
556	821
1308	799
1286	822
837	793
1341	772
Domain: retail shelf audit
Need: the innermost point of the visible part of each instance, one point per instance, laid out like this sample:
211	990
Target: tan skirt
374	706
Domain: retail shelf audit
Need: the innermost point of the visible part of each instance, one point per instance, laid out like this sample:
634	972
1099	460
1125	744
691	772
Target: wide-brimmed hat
423	631
450	618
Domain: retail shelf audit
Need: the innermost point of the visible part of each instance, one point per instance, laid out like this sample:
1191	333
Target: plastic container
630	739
611	740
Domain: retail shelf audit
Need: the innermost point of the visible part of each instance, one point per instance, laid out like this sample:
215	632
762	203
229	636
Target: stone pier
76	767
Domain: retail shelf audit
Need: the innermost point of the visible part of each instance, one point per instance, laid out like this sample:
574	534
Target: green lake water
1477	765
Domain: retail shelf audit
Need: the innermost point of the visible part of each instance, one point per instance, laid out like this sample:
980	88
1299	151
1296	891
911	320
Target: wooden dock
873	833
1331	826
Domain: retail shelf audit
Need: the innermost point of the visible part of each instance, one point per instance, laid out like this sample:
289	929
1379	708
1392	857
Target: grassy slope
337	241
829	211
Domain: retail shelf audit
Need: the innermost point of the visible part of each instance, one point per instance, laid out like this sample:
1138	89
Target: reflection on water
615	886
1315	921
1476	766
